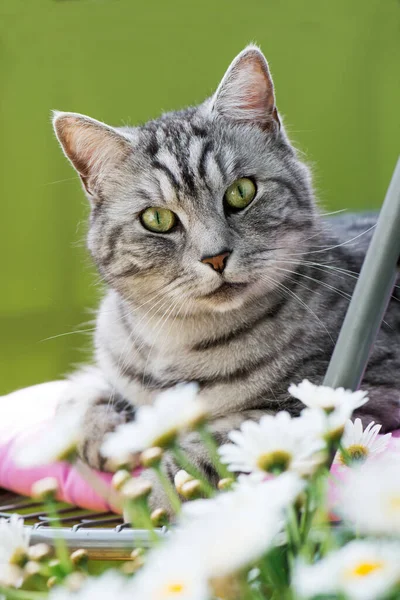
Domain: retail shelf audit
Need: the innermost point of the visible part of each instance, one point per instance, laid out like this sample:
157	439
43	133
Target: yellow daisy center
364	569
354	453
274	462
172	589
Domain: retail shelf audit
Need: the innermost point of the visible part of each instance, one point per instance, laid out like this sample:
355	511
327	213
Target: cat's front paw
99	420
104	410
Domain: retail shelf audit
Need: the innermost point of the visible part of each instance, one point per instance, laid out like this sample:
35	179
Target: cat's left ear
246	92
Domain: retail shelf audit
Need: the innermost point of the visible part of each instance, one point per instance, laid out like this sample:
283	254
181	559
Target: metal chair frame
363	319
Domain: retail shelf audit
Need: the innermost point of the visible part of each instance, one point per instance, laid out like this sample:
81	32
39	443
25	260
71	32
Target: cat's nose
217	262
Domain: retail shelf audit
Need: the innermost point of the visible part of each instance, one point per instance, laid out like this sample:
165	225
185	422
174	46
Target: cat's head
197	210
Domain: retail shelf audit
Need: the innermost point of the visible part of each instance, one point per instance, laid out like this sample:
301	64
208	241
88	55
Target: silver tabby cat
219	267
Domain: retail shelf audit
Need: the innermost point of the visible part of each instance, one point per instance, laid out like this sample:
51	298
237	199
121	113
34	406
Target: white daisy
59	443
277	443
173	411
14	544
370	498
359	444
320	396
238	527
110	585
173	572
329	425
362	570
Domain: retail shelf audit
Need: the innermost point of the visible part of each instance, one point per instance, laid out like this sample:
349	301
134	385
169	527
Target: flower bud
151	457
126	462
130	567
39	552
227	587
51	582
192	489
74	581
120	478
136	489
79	557
159	517
225	483
180	479
45	489
31	568
136	553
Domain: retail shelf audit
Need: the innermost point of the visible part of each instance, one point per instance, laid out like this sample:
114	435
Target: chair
105	536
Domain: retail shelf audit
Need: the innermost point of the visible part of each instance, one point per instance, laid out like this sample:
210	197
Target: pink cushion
28	413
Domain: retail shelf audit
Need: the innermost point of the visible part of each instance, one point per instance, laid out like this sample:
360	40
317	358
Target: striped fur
167	317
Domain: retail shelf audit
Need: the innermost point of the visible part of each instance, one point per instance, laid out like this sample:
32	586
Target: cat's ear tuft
246	92
91	146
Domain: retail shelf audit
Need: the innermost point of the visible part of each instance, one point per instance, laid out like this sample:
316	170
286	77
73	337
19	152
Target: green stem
294	538
293	528
169	489
139	516
59	542
290	548
256	594
304	516
185	464
307	517
97	484
322	515
212	448
271	575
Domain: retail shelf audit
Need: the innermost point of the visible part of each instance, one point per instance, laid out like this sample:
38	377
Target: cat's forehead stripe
167	182
195	151
186	158
213	171
168	161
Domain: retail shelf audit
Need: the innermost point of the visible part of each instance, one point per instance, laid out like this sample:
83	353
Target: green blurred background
336	68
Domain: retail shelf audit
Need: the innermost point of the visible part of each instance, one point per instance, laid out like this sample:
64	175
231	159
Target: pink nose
218	262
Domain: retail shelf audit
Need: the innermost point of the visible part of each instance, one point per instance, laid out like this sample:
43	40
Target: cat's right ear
91	146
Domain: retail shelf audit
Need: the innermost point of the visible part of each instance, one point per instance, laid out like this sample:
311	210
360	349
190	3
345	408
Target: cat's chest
227	366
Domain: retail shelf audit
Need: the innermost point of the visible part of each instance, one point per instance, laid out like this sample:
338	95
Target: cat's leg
104	410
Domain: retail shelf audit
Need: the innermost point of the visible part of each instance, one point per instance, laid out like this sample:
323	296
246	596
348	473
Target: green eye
159	220
240	193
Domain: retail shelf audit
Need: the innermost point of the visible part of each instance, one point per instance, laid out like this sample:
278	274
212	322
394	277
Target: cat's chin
227	297
226	306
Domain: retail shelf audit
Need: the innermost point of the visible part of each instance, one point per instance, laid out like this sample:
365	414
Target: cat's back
351	235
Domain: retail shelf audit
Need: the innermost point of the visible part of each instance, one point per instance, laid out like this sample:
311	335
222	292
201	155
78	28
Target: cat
218	265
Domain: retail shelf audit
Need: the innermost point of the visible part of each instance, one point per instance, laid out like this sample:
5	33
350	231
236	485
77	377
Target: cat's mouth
225	290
